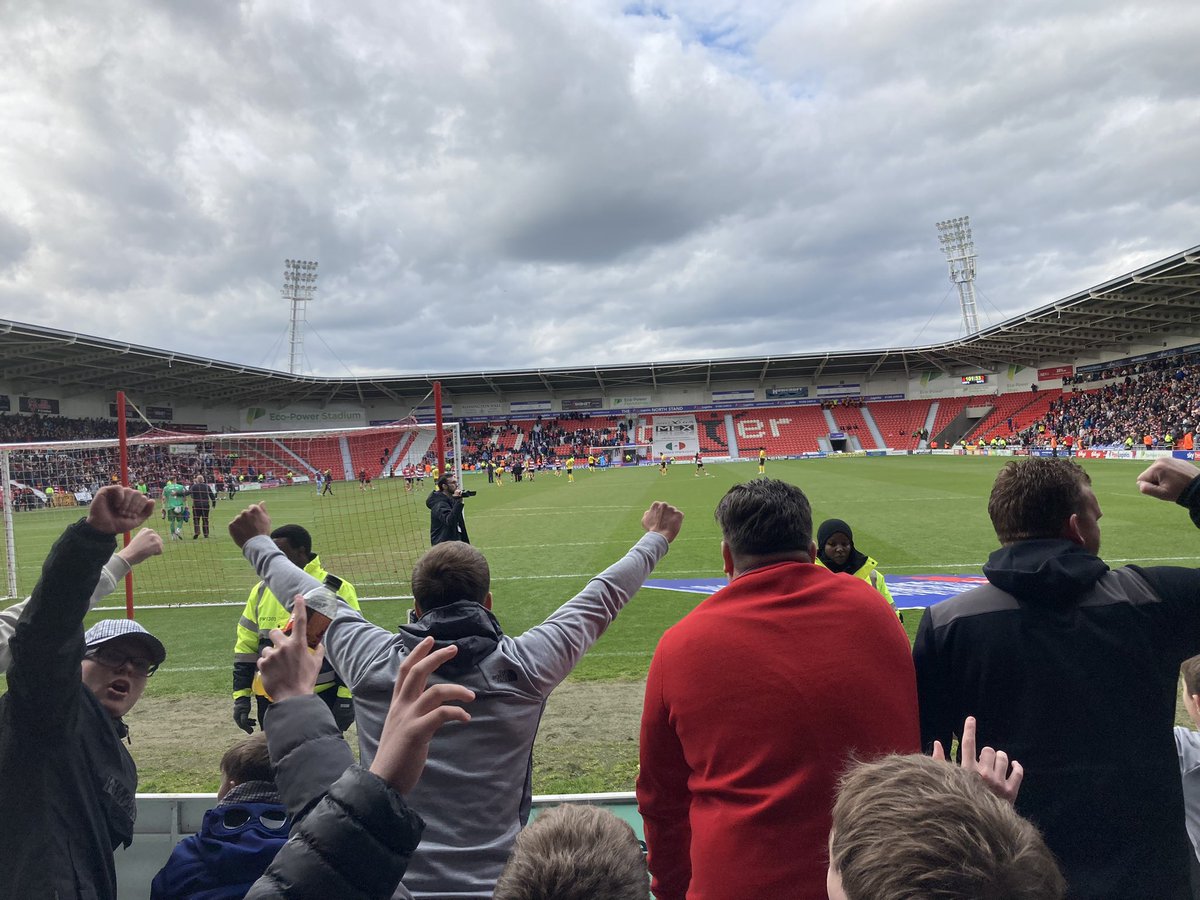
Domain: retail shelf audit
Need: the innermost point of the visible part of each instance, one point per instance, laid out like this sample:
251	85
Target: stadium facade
1144	312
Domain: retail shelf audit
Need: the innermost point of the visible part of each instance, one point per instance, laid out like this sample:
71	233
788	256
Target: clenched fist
663	518
115	509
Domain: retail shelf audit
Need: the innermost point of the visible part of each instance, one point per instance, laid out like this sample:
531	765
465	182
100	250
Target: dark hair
1034	499
443	480
912	826
1190	670
248	760
765	516
450	572
295	535
575	852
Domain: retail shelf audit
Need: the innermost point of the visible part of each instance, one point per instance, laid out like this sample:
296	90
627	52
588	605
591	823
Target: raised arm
352	643
251	531
145	544
1173	480
47	641
306	745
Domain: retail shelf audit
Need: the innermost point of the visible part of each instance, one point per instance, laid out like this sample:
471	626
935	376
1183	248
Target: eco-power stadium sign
290	418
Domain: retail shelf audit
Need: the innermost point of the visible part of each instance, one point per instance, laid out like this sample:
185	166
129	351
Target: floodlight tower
959	247
299	285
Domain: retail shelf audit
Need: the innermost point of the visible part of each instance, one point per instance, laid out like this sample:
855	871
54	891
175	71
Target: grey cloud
14	243
548	184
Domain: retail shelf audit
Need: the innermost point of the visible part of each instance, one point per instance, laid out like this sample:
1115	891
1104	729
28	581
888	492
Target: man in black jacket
446	512
1072	668
67	791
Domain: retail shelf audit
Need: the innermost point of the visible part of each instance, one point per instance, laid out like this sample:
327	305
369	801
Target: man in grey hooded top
476	791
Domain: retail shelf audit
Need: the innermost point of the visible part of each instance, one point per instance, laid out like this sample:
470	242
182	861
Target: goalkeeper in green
175	504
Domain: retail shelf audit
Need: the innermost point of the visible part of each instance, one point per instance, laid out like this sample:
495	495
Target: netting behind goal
345	486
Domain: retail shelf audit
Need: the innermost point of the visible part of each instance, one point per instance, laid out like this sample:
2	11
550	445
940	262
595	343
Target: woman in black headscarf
837	553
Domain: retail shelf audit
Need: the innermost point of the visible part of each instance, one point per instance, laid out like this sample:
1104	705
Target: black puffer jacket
352	840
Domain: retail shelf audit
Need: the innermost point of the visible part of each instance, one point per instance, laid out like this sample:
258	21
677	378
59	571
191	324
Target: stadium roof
1157	301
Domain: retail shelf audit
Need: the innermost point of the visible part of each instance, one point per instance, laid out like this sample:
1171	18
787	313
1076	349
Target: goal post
367	525
623	454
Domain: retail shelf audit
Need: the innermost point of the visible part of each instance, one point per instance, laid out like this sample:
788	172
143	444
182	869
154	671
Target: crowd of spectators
1159	400
87	469
18	428
546	436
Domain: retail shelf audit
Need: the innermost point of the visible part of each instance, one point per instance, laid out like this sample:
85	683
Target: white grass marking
575	509
979	563
141	606
591	653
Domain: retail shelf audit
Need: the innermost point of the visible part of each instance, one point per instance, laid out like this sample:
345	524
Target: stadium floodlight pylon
370	534
959	246
299	286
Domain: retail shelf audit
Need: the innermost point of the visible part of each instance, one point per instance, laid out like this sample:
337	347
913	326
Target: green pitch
916	515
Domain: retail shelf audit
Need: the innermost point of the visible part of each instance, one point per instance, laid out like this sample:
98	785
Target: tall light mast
959	247
299	285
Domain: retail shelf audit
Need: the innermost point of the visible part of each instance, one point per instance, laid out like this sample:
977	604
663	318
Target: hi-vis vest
874	578
263	613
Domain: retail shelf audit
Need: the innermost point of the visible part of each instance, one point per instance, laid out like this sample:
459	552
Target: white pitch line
495	512
976	564
225	603
141	606
593	653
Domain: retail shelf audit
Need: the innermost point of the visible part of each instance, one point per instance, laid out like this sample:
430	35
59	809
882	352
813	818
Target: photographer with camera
446	511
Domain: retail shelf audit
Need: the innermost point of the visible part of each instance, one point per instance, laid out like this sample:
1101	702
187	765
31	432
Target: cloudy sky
516	183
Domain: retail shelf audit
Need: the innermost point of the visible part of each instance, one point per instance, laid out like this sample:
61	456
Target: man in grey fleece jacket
476	791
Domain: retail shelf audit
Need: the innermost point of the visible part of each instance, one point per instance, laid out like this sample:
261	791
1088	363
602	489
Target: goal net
346	487
622	455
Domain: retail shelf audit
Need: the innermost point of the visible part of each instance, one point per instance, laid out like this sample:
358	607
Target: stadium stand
713	435
800	430
17	428
948	410
849	419
1100	408
1025	408
899	420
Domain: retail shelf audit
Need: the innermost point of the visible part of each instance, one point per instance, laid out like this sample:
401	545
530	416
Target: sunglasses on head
115	659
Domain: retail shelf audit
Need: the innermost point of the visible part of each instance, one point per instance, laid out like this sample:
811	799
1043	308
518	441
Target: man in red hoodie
755	702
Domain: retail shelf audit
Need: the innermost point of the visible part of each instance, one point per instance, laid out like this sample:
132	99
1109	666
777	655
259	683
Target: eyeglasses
115	659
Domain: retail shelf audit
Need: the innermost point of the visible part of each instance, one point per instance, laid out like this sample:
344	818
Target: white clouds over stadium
510	184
